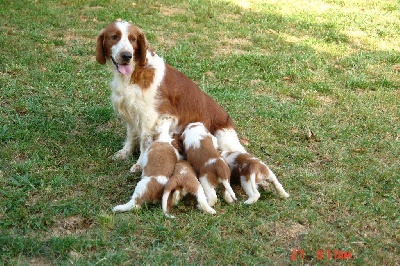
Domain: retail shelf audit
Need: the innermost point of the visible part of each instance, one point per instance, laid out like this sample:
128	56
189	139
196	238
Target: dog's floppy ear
141	51
100	56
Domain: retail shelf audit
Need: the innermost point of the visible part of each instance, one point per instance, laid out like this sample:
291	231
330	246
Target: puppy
251	172
184	181
158	165
201	152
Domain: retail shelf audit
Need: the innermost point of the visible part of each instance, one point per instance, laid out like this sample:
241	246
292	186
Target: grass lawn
313	85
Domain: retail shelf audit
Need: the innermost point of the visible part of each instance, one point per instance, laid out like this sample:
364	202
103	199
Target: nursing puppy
158	165
182	182
201	152
251	172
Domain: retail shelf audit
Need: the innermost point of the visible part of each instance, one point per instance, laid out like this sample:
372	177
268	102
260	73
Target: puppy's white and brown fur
251	172
145	87
201	152
184	181
158	165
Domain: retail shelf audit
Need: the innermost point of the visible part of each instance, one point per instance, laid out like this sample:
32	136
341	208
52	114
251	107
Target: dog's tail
166	201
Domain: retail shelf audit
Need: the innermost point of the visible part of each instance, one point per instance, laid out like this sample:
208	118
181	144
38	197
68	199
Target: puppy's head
123	44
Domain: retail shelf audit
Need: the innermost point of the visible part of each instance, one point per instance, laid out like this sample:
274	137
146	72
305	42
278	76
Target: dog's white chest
136	107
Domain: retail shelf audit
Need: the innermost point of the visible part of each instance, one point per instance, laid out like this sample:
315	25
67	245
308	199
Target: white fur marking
211	161
183	171
193	134
228	140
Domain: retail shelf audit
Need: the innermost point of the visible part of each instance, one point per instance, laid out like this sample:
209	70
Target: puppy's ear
100	56
141	51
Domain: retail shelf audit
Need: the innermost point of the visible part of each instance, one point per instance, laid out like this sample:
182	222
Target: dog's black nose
126	56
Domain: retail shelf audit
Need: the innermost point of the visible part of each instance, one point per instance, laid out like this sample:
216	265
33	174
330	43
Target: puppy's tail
166	201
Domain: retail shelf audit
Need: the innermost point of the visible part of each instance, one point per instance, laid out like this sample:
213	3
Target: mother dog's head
123	44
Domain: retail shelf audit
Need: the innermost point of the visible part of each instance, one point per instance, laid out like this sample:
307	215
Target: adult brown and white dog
144	87
184	181
251	172
201	152
158	166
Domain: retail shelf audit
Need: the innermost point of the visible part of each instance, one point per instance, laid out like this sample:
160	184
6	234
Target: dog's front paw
135	168
121	154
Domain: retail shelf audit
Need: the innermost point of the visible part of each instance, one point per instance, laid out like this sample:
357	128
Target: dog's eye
114	37
133	39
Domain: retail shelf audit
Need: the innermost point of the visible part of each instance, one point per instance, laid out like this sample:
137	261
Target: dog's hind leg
209	191
202	201
248	189
256	194
229	195
278	186
127	206
140	189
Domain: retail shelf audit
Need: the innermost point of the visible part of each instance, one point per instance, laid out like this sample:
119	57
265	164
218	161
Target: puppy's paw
211	211
135	168
120	208
250	201
125	207
212	201
228	197
284	194
169	216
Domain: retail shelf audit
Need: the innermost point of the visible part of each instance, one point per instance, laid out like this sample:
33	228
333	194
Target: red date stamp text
322	254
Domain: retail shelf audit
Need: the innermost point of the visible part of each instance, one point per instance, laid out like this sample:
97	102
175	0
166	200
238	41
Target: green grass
281	68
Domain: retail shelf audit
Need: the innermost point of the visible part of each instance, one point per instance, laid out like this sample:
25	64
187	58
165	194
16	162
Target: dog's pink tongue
125	69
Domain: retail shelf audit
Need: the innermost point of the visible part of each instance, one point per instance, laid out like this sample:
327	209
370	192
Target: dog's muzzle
125	67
